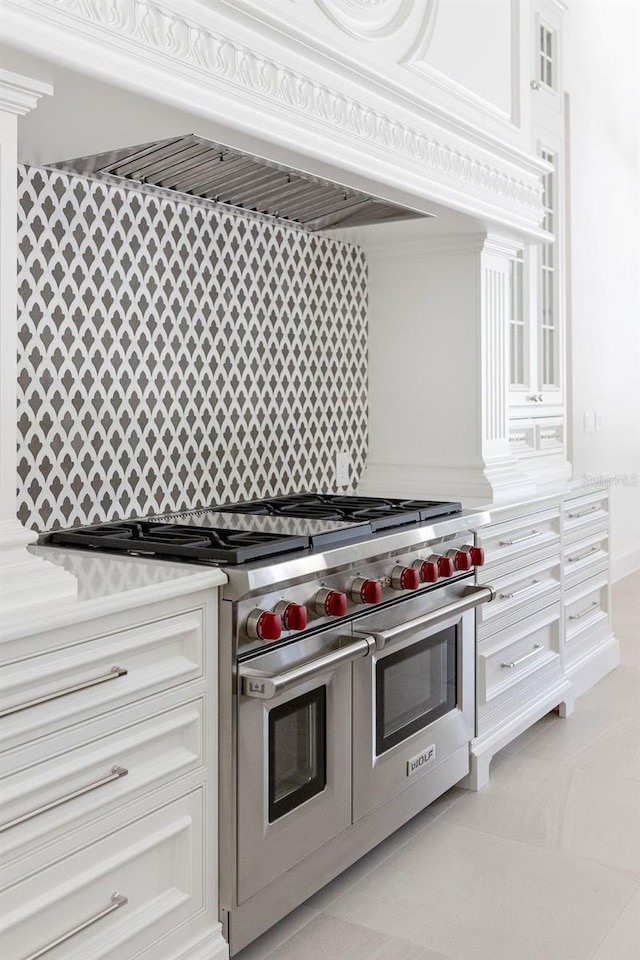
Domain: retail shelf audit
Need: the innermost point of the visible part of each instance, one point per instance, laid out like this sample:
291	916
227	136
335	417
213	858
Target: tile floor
543	864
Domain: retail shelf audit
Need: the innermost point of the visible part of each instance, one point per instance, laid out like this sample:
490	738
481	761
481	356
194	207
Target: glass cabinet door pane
516	324
297	752
548	305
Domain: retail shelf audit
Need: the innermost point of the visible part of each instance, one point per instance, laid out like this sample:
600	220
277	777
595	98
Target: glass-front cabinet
536	334
536	309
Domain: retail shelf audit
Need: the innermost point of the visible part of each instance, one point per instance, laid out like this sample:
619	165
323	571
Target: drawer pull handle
579	616
549	435
583	556
116	773
113	674
529	536
584	513
516	593
537	647
117	901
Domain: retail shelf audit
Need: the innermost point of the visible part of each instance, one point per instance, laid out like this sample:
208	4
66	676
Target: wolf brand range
346	664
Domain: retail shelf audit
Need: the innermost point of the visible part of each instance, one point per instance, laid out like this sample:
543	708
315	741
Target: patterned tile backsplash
172	355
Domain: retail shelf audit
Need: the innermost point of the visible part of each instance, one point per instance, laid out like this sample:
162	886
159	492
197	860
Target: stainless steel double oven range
346	678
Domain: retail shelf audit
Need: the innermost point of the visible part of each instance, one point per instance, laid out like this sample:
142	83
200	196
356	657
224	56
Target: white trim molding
25	580
416	61
624	564
474	482
231	69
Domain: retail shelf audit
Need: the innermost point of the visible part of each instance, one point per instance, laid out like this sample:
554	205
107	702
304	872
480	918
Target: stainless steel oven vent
197	167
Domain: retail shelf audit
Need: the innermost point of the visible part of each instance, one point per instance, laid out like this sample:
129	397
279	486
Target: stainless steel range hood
197	167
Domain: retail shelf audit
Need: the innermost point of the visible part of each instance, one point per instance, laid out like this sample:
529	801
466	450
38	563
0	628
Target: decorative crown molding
20	94
150	24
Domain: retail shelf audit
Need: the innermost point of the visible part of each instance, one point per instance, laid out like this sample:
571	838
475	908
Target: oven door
294	754
413	699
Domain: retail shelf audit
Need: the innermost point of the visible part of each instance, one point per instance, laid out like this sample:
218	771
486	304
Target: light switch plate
599	420
589	421
342	468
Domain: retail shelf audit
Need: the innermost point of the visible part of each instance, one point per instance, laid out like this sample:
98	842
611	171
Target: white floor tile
623	940
618	693
606	743
560	807
471	895
329	938
277	935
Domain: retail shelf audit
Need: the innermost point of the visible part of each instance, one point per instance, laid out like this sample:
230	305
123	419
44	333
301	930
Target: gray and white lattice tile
172	356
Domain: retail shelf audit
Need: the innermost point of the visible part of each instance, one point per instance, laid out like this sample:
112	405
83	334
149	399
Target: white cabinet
519	671
590	649
108	821
546	636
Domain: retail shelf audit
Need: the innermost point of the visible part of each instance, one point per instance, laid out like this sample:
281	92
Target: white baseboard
625	563
596	664
210	947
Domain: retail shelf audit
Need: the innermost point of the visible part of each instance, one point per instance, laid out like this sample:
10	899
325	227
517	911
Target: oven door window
414	687
297	752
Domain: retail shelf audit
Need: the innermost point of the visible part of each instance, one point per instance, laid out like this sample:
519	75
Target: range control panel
318	601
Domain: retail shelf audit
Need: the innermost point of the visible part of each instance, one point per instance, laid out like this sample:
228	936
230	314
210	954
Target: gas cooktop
258	529
379	513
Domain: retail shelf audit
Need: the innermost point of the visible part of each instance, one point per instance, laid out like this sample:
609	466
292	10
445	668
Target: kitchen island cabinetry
109	742
546	637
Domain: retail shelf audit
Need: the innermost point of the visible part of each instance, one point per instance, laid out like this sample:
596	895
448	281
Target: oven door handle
266	687
472	597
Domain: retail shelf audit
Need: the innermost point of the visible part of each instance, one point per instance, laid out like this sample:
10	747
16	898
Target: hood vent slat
202	168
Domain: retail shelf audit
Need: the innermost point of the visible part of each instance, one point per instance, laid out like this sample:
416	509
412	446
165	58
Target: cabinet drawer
582	515
522	437
155	864
550	435
586	617
46	693
41	798
518	591
510	661
585	558
517	538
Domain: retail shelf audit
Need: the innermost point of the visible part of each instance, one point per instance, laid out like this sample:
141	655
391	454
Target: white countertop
108	583
544	495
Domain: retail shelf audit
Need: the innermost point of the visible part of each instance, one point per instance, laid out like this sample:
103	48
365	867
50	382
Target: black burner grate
180	541
380	513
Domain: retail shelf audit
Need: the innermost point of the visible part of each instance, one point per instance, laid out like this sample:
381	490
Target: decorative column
25	580
438	377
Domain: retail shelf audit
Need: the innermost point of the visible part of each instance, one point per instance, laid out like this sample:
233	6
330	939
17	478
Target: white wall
603	82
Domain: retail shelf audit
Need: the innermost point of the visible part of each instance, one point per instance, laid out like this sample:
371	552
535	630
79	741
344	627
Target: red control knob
294	615
427	570
445	565
477	555
264	625
461	559
405	578
366	591
330	603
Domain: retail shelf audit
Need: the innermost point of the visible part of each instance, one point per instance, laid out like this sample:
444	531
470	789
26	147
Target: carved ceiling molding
149	24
